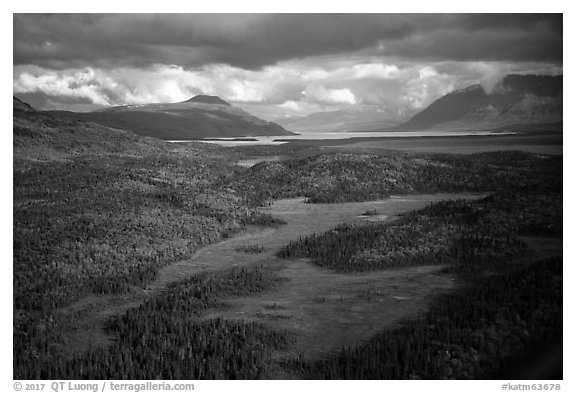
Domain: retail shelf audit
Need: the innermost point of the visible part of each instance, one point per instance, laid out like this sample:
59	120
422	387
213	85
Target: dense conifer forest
477	332
98	212
164	338
451	232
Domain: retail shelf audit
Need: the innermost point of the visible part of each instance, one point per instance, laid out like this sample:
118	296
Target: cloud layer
275	65
252	41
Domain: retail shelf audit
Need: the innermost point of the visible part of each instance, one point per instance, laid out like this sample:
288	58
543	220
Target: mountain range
353	119
199	117
516	100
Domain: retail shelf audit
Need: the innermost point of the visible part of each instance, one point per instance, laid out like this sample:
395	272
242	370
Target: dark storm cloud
524	22
252	41
487	38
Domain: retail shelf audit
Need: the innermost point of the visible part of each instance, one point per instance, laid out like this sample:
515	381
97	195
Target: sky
275	65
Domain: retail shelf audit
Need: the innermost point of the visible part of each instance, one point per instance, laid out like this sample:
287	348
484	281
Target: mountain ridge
199	117
18	104
517	99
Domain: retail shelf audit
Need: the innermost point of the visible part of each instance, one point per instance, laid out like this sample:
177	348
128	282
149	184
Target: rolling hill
199	117
517	99
44	136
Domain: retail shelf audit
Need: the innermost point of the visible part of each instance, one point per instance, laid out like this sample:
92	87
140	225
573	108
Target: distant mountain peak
205	99
200	117
517	99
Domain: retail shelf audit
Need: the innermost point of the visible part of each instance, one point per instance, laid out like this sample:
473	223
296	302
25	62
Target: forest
99	212
451	232
333	177
505	310
477	332
164	338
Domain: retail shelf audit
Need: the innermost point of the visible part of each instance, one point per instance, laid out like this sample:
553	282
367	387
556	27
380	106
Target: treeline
252	248
105	222
352	177
449	232
481	329
476	332
165	338
101	228
99	211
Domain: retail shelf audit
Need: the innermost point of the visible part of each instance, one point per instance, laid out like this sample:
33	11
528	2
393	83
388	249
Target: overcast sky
275	65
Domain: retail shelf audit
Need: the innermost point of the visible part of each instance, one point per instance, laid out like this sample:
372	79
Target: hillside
99	213
43	136
196	118
20	105
517	99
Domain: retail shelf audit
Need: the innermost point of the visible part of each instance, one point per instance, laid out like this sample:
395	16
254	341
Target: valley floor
324	309
139	259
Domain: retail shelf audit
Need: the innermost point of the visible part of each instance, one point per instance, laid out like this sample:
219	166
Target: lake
278	140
